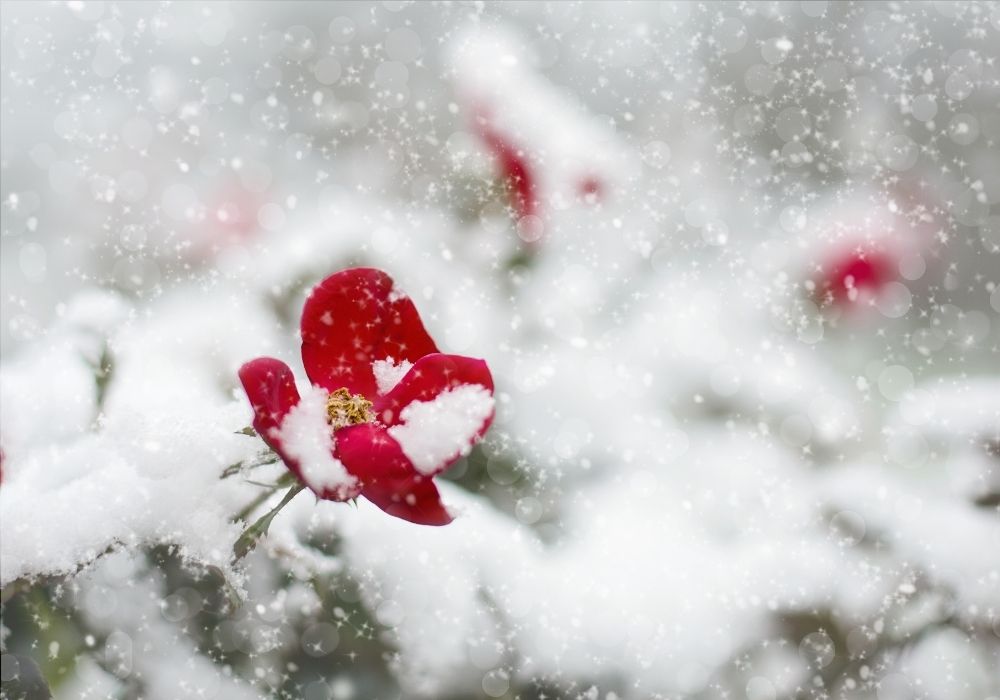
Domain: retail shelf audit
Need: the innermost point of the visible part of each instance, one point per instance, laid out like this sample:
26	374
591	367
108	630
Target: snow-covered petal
430	376
270	386
434	433
306	438
388	478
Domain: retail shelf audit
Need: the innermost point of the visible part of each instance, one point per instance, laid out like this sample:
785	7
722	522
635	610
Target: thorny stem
248	540
267	457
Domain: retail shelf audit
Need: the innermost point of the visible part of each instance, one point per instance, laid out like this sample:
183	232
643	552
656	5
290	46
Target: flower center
344	408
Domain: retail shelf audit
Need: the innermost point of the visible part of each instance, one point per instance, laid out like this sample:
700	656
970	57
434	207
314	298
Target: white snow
45	395
61	506
74	486
432	432
388	373
308	438
700	450
964	407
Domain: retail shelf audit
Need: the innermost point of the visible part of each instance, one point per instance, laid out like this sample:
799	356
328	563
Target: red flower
857	272
514	167
359	431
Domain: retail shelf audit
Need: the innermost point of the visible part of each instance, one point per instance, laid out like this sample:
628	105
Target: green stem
286	479
248	540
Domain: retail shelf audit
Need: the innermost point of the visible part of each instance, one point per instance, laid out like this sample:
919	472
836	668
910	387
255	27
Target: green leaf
251	536
231	469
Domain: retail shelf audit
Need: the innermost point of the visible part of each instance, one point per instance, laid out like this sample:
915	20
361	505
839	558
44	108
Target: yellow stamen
344	408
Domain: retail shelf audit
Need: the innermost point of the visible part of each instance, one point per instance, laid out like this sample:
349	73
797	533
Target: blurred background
735	268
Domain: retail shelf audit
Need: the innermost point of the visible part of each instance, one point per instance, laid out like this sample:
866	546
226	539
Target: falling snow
734	269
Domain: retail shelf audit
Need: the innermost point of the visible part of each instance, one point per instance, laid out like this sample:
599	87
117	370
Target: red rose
360	431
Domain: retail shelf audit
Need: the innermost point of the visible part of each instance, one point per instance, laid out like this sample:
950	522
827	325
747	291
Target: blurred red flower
857	272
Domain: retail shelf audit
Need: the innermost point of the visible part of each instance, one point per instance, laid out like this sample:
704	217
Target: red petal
420	503
861	270
428	377
387	478
353	318
514	168
270	386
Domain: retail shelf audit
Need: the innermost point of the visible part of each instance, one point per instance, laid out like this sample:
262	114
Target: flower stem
286	479
248	540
